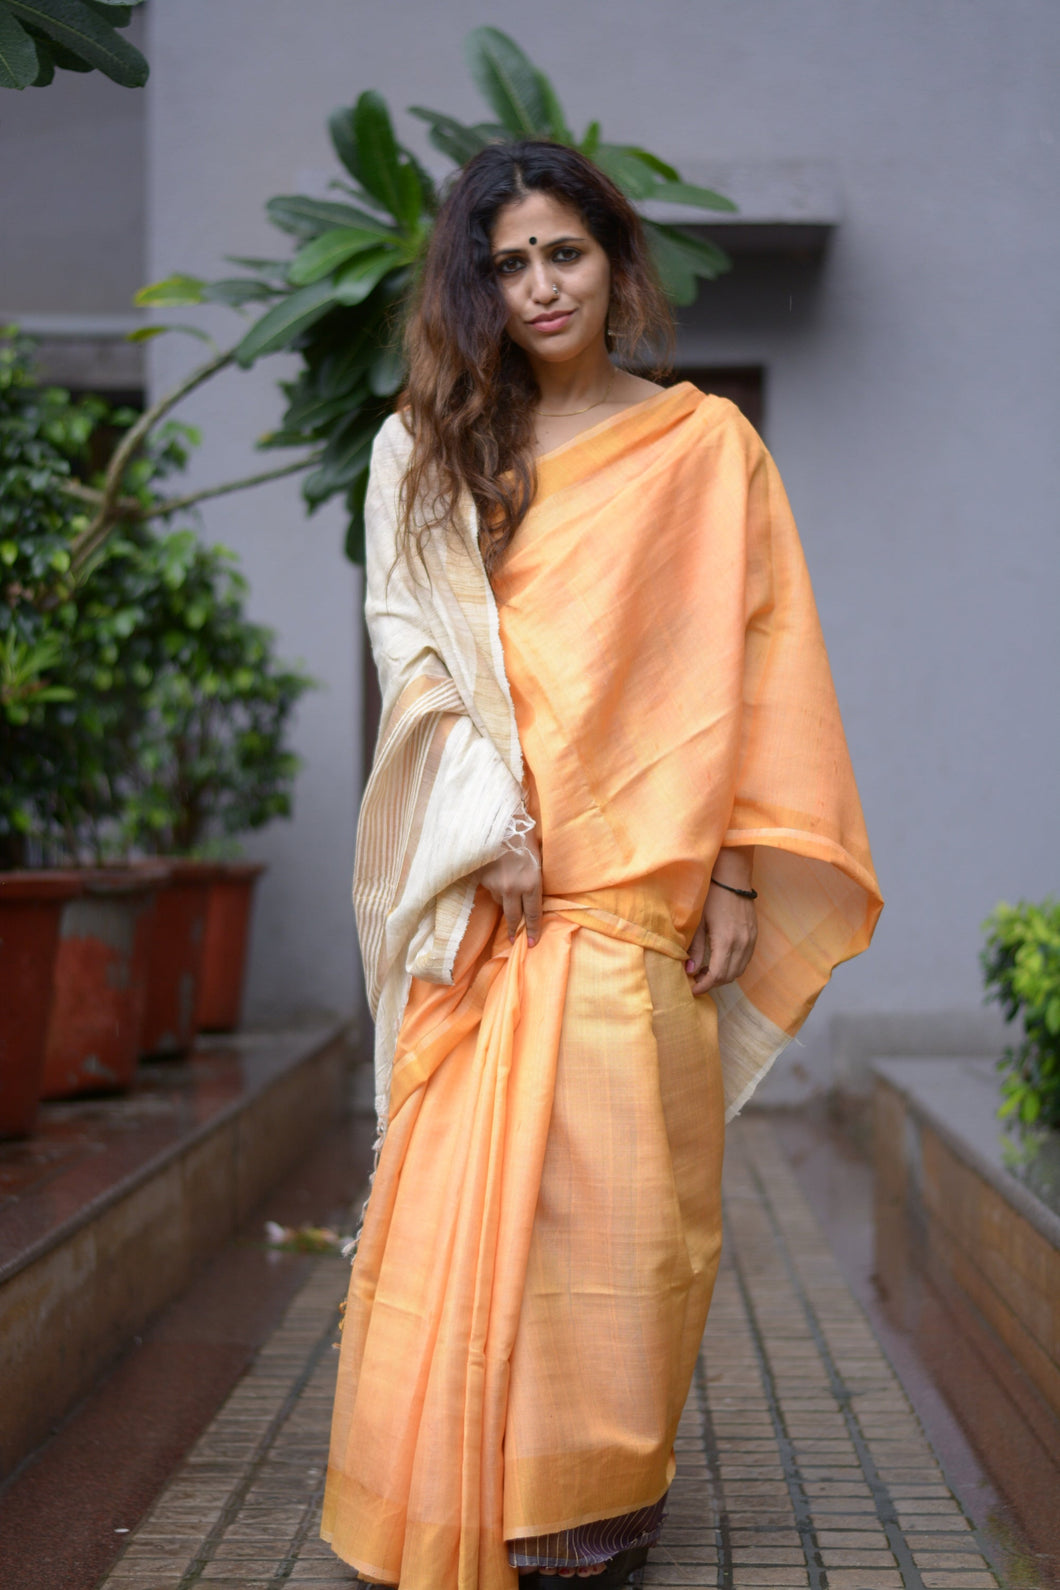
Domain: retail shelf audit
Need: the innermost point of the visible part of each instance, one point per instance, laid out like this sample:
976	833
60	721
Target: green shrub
209	759
1021	970
139	707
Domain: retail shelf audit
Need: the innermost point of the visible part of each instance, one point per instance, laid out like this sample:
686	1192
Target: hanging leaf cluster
338	301
41	37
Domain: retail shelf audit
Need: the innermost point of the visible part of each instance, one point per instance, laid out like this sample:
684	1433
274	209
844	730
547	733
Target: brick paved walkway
801	1461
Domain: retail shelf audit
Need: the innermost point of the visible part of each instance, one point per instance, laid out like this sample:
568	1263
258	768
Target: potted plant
40	763
76	655
141	711
1021	971
211	761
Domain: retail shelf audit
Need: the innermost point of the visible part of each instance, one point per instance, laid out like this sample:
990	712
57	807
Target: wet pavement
802	1462
82	1151
63	1514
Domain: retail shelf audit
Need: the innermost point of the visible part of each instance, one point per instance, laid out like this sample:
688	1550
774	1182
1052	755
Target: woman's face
540	243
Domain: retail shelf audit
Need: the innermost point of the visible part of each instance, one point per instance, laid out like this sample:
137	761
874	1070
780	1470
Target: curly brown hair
471	392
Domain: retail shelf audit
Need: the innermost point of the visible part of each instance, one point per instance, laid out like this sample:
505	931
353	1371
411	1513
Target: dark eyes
511	264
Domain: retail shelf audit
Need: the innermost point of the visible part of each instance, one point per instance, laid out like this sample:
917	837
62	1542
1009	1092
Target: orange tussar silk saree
535	1268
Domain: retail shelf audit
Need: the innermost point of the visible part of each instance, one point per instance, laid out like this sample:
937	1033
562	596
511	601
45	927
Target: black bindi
533	240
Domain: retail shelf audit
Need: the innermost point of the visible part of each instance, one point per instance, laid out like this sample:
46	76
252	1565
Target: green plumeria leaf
508	81
387	374
46	62
347	453
149	333
626	169
285	321
237	290
660	167
117	13
326	253
556	120
308	415
170	291
382	172
428	190
74	27
357	279
19	63
455	140
679	278
343	136
689	193
682	260
590	140
307	217
355	500
274	269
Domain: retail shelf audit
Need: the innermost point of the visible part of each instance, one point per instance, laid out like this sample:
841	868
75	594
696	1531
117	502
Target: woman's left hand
724	941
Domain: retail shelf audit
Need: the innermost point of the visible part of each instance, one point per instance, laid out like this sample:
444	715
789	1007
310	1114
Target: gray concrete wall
911	398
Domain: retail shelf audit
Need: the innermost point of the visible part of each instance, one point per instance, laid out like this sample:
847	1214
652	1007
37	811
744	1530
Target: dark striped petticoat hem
589	1543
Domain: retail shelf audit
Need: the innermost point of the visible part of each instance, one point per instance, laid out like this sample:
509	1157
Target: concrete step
110	1208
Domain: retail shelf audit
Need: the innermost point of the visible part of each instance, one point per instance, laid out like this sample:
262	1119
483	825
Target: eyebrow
574	237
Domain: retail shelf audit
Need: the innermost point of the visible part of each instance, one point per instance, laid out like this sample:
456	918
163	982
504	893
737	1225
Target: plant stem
107	513
130	508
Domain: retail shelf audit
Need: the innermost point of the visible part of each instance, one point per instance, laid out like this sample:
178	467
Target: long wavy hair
470	397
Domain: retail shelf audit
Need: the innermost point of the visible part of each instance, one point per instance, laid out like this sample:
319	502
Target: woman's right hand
514	881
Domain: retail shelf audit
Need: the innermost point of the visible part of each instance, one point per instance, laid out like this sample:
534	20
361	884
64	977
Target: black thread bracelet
745	894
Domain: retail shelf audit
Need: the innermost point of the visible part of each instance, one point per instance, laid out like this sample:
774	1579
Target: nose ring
555	290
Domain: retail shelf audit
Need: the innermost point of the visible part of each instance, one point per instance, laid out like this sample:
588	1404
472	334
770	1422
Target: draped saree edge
749	1043
814	847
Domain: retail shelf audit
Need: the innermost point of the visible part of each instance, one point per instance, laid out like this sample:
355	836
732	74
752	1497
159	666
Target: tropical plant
338	301
40	37
1021	971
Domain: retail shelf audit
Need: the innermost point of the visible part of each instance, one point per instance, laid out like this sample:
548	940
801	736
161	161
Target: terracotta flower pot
97	1011
31	906
227	937
171	1006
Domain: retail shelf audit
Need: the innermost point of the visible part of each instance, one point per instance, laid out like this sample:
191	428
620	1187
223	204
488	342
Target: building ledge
784	206
958	1099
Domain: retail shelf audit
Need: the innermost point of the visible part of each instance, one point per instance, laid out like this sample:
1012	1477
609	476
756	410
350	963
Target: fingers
729	959
531	904
512	906
514	881
721	949
721	968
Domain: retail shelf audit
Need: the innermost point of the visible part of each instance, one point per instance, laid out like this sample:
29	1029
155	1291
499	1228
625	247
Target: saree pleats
625	1244
543	1198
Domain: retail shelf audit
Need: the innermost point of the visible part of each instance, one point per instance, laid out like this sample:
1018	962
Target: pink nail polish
690	966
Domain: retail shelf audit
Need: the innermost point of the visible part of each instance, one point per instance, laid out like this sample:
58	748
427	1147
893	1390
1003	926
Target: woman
609	853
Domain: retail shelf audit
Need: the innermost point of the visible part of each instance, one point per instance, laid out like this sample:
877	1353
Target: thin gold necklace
542	414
